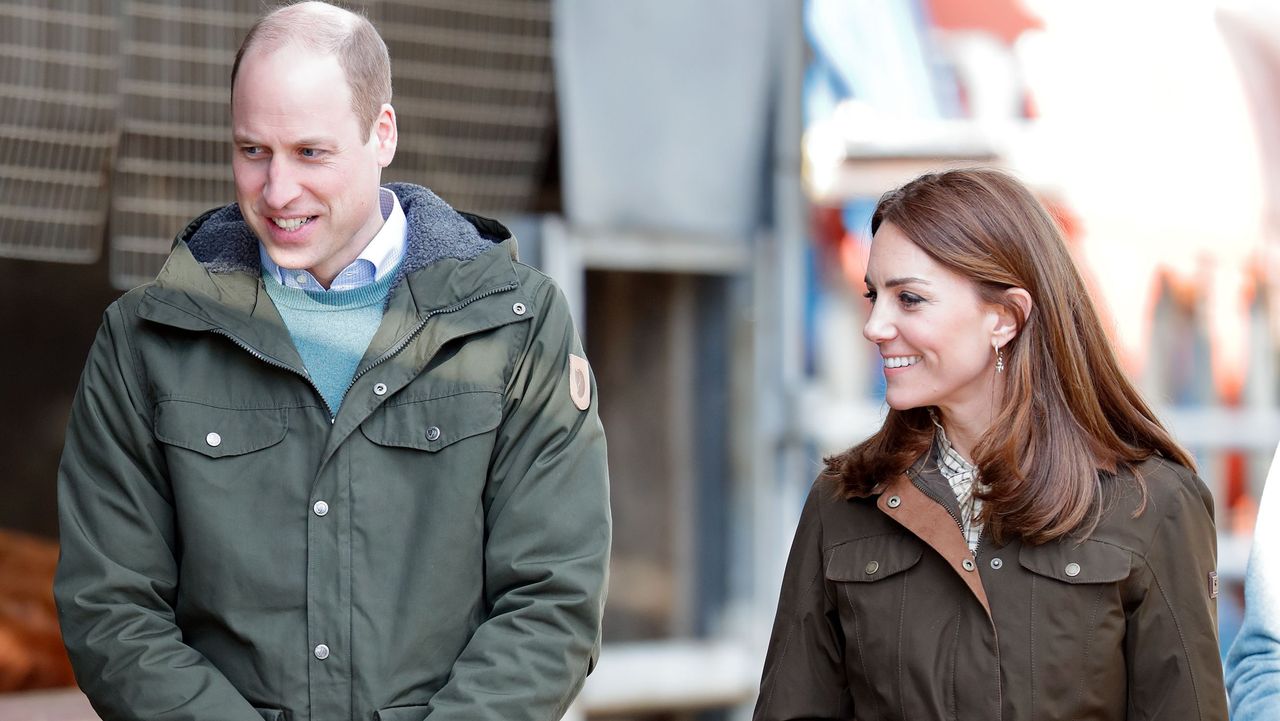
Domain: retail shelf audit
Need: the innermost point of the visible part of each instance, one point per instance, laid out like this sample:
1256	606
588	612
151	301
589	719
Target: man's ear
385	134
1007	323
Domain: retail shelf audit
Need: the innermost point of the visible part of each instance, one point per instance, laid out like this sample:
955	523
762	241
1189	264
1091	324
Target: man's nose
282	184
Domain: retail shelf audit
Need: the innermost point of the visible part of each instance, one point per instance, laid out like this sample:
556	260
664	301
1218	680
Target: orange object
31	651
1005	19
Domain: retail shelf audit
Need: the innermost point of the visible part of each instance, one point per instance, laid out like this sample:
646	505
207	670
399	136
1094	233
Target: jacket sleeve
1253	665
118	572
548	537
1171	636
804	674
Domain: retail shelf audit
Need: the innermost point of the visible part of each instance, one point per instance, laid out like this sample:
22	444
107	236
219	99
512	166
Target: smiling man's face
306	176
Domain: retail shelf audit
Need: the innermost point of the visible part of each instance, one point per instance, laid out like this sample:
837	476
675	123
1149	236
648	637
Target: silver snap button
321	508
894	501
379	389
301	279
1072	569
322	652
518	309
433	433
968	564
872	568
213	439
996	563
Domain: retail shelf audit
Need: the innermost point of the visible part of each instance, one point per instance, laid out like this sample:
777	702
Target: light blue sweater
331	329
1253	665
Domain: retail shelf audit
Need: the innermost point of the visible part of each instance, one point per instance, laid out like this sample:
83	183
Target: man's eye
251	151
310	152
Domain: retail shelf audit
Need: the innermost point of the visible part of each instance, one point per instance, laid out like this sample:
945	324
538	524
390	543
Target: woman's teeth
901	361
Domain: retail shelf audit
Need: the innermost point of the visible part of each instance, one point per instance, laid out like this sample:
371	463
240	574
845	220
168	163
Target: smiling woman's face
933	330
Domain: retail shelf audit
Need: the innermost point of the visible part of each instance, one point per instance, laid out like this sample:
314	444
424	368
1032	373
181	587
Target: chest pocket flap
865	560
1089	562
433	424
218	432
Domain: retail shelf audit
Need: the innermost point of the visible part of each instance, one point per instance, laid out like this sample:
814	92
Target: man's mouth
292	223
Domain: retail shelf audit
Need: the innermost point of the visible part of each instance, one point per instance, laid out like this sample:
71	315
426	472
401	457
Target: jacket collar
212	278
222	242
906	503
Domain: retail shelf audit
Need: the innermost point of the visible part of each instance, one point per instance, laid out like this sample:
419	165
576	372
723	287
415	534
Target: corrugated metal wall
59	105
118	111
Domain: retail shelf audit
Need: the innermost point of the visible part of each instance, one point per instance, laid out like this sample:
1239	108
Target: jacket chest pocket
223	450
438	440
238	478
218	432
1076	617
873	580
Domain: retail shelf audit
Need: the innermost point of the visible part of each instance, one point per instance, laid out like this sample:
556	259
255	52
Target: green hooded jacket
437	550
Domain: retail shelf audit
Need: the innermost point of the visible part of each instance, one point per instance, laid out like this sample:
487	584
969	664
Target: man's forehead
291	95
288	59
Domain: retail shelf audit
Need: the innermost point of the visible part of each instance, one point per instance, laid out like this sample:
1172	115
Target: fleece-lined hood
222	241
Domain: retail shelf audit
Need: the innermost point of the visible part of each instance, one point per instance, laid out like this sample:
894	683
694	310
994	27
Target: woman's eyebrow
895	282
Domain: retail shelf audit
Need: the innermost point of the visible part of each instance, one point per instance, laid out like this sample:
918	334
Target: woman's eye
871	296
910	299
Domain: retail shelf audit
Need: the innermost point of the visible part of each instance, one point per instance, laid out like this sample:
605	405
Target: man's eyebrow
895	282
301	142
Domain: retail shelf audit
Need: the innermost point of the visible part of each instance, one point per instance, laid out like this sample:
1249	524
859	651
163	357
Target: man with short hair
341	459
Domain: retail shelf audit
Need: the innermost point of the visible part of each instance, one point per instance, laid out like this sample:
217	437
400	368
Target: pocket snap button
433	433
213	439
1072	569
872	568
894	501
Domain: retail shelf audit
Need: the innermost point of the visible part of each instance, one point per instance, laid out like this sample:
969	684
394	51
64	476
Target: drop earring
999	360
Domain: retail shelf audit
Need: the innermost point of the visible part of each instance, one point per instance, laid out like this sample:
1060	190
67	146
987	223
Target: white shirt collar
379	257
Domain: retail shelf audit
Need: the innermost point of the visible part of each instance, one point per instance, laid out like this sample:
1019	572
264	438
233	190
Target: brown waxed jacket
886	615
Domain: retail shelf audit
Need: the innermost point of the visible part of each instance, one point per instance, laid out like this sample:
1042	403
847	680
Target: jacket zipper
399	346
273	362
408	338
947	507
994	632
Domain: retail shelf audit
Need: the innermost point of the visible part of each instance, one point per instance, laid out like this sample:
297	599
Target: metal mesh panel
473	98
58	111
174	160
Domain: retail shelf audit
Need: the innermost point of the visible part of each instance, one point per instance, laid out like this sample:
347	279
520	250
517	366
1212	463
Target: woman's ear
1007	322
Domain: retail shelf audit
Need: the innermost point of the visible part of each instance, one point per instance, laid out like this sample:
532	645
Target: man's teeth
289	223
901	361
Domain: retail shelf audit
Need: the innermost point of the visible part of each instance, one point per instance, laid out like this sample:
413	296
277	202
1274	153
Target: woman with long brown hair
1022	538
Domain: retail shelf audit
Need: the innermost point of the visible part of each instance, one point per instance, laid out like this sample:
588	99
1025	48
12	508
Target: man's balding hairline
328	30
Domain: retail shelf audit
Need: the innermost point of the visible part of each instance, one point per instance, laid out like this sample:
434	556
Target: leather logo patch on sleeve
579	382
